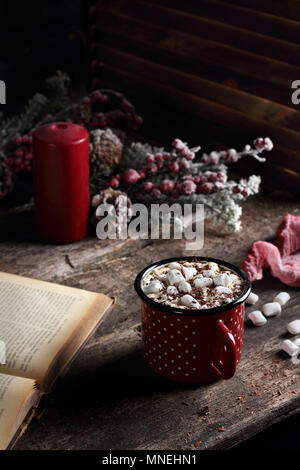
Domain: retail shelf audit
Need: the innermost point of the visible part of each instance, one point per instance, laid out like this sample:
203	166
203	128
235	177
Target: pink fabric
282	257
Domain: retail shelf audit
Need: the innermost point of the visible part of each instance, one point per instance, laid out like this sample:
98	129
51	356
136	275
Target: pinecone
110	196
7	179
105	151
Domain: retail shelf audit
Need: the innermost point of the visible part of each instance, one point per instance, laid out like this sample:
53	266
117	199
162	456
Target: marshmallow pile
192	284
271	309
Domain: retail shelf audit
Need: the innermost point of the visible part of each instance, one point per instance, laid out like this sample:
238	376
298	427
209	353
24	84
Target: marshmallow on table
271	309
189	301
184	286
2	352
175	277
153	288
189	273
203	282
257	318
289	347
294	327
282	298
252	298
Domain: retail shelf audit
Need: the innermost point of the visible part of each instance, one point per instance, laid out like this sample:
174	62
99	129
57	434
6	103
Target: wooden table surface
109	399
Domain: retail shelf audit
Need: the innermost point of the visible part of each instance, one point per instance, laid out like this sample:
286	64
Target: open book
43	326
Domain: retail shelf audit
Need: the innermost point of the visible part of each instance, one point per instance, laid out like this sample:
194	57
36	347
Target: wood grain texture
288	9
192	18
194	48
227	63
264	110
281	26
110	400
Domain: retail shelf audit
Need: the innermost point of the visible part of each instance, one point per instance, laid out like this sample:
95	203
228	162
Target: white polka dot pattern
184	348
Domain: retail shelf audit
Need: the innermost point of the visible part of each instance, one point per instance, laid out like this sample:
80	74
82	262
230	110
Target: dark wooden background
214	71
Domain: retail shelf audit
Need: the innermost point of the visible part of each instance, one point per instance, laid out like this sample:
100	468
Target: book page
37	319
17	396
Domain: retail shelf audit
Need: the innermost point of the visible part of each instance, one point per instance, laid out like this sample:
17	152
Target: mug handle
227	366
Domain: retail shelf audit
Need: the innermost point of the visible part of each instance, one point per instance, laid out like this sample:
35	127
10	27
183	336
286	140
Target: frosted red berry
166	186
150	158
246	192
114	182
130	177
152	168
156	193
212	177
187	187
174	167
148	186
190	156
184	165
207	188
237	188
221	177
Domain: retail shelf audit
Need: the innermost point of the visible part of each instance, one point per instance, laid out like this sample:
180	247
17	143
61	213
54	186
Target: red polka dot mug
189	345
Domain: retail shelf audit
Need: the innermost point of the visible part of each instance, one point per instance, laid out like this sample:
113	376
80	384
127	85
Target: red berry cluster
107	108
263	143
225	156
20	156
173	165
241	189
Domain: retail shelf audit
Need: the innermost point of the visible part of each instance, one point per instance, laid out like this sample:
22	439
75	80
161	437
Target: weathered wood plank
288	9
192	19
260	108
238	13
23	253
184	45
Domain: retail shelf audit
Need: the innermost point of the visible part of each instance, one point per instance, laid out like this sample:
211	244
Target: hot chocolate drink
192	284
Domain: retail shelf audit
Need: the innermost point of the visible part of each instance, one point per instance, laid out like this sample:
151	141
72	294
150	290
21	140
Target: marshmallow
271	309
175	277
233	277
223	290
174	265
2	352
222	280
252	298
172	290
282	298
154	287
294	327
257	318
208	272
213	266
184	286
289	347
203	282
189	301
297	342
189	273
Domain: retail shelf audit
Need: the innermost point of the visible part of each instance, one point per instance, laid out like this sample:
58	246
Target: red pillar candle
61	181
